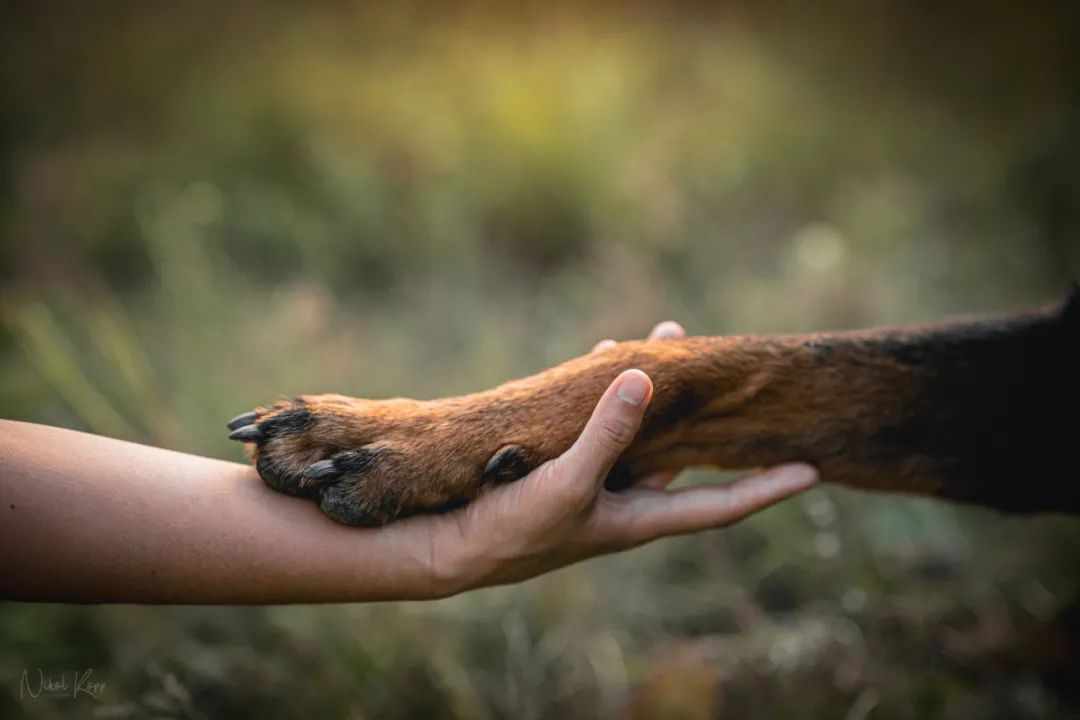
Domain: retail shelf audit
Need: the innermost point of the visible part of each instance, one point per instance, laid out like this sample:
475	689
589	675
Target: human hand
560	513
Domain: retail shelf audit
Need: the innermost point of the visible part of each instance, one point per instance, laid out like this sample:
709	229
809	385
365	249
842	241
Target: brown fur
917	410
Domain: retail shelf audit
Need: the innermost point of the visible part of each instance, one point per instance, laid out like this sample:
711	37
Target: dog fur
973	411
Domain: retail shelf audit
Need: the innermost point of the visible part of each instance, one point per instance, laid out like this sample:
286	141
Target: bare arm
92	519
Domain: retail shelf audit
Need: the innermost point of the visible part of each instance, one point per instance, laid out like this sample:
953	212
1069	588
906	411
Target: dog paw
368	462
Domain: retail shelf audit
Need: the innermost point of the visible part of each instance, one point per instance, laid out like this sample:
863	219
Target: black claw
241	420
321	470
355	461
344	463
508	464
318	474
248	433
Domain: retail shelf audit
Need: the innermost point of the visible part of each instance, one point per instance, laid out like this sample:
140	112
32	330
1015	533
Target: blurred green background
207	205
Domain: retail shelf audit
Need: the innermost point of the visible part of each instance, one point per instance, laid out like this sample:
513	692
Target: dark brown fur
977	411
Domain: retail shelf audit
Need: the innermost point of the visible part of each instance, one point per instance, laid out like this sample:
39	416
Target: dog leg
971	411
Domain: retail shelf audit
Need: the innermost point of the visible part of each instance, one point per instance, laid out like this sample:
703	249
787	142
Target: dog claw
241	420
508	464
321	470
248	433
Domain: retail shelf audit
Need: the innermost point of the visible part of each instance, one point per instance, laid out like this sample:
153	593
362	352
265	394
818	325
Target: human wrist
453	562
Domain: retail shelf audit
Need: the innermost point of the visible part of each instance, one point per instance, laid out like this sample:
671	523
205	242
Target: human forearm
92	519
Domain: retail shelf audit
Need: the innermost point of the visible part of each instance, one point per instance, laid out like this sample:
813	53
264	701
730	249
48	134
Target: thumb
610	430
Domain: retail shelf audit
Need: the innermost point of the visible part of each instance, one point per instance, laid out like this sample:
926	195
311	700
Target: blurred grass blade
51	352
113	333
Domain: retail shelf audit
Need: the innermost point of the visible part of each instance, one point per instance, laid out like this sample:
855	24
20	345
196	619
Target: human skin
92	519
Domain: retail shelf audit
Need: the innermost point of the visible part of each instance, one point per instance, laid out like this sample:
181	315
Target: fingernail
797	474
633	388
668	329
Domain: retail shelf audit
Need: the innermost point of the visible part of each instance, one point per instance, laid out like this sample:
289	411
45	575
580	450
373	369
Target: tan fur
862	406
